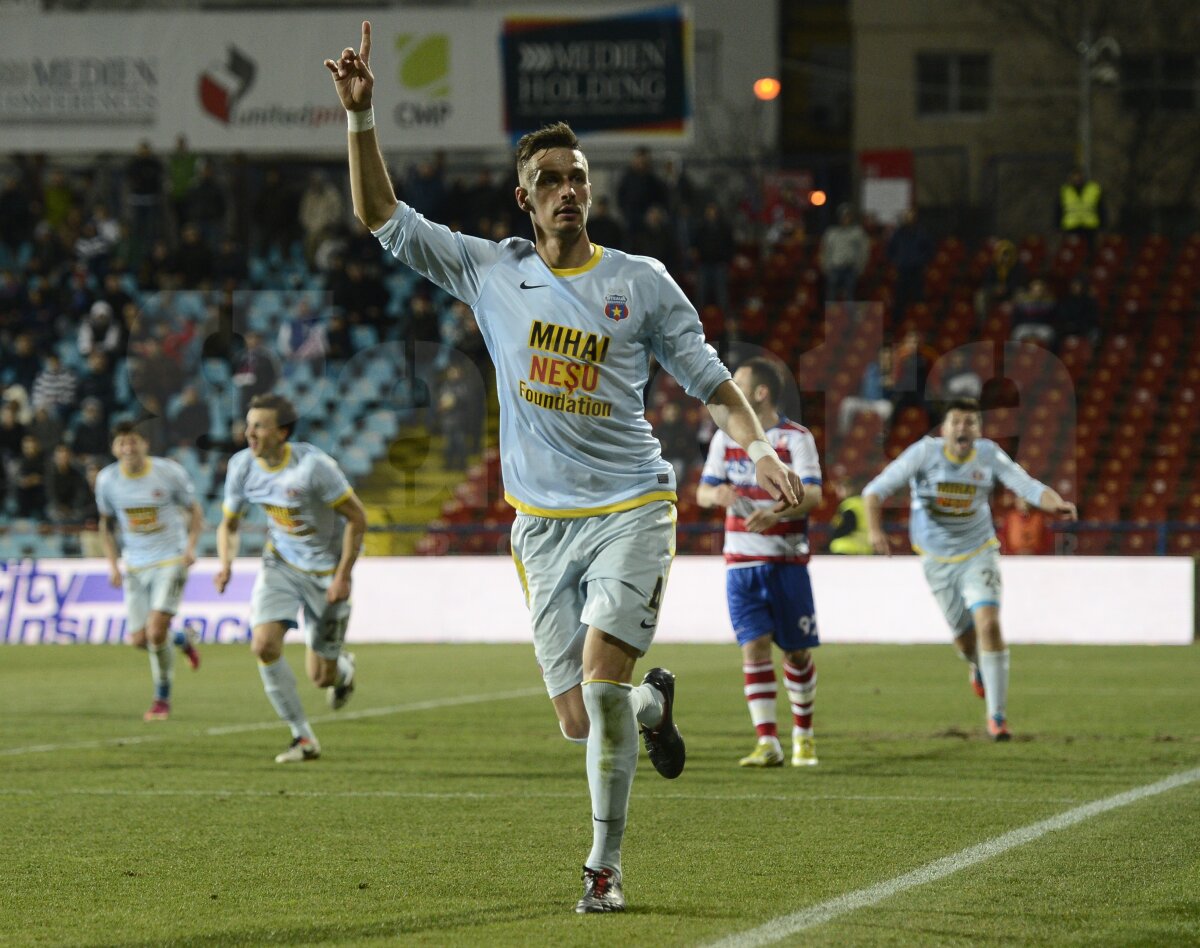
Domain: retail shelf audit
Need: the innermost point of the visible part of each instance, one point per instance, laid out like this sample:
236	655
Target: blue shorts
772	599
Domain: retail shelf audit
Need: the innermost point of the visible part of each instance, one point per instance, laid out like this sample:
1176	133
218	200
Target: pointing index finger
365	48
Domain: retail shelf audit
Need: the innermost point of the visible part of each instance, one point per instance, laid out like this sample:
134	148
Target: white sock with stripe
280	685
344	667
993	666
162	669
761	689
802	692
647	704
612	753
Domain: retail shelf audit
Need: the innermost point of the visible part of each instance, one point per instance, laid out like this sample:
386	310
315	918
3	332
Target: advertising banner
255	82
1146	600
252	82
628	73
68	601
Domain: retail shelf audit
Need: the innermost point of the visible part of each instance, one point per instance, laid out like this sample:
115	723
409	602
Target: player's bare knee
138	639
265	650
797	657
757	650
575	731
990	638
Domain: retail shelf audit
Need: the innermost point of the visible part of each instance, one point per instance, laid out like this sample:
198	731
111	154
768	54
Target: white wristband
361	121
760	449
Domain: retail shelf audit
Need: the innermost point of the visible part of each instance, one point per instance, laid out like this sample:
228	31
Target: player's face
130	448
559	192
263	433
960	429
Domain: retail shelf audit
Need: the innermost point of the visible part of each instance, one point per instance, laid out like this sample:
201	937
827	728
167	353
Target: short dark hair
285	411
765	372
555	135
126	427
963	404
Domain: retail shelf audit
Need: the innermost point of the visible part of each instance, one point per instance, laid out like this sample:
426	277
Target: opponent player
949	479
153	502
766	551
315	529
571	327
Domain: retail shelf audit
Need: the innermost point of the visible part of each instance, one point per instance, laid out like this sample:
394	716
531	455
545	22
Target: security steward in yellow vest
850	523
1080	206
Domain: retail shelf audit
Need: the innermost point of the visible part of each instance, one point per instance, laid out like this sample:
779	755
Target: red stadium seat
1150	508
1183	543
1139	543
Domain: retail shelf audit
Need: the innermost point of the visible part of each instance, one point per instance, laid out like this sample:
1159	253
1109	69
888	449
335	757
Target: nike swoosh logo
535	286
650	626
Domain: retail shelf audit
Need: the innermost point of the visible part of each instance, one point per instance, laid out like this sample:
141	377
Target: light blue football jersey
153	510
572	354
951	517
298	497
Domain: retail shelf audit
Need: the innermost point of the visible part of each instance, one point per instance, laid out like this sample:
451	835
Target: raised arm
370	187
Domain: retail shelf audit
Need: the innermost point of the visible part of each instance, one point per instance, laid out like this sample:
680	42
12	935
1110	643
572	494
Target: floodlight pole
1089	55
1086	52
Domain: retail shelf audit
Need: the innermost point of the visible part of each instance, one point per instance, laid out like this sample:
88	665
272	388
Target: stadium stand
1109	417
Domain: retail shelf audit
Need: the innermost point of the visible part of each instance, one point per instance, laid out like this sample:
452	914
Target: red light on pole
766	89
817	198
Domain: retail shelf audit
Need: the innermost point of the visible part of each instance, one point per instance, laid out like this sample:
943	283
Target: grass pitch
447	810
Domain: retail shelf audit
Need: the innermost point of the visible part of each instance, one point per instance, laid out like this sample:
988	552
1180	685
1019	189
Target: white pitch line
78	745
787	925
431	705
477	795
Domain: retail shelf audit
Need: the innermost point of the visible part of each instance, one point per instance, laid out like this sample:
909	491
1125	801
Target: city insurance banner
608	76
254	82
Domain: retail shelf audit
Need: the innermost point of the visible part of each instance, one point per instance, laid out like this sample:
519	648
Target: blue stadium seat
355	462
382	422
364	337
72	358
189	304
217	373
187	457
121	382
258	271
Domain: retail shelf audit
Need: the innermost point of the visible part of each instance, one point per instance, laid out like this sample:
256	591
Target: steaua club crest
616	307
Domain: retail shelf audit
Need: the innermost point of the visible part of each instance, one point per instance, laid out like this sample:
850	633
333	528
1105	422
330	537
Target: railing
19	541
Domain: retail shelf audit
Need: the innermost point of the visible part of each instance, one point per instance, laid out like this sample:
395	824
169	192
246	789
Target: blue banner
627	74
64	602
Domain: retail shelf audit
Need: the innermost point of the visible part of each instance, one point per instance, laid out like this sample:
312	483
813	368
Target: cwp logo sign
423	70
222	85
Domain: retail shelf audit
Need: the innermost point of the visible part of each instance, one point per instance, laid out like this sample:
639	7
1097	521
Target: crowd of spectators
94	265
